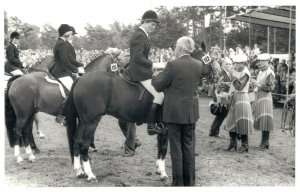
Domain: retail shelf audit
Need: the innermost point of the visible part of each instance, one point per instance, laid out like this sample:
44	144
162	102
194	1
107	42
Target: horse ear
203	47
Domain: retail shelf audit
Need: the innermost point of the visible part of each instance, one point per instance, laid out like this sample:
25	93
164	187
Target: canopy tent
278	17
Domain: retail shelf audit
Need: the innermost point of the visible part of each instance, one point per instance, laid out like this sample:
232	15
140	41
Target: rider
64	68
140	67
13	65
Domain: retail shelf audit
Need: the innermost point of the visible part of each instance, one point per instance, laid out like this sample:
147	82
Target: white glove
81	70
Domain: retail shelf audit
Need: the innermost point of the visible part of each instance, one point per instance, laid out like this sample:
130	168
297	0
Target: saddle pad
61	89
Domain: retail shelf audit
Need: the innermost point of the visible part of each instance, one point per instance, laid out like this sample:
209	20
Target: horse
107	94
31	93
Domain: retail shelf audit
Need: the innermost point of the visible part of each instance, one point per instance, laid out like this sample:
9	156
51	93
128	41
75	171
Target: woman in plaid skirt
239	120
264	103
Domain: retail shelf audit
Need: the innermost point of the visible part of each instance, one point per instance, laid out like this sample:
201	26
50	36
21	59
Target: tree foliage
174	23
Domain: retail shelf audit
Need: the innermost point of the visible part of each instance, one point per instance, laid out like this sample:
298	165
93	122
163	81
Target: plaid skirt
239	118
263	111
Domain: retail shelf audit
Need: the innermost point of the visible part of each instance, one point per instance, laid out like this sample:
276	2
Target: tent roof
278	17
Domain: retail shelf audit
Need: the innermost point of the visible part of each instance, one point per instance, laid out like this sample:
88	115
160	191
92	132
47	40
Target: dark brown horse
26	95
100	93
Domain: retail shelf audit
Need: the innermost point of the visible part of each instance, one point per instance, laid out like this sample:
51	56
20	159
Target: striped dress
264	104
239	118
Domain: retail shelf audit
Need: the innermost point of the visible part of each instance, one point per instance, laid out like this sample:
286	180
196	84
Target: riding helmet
14	34
150	15
63	28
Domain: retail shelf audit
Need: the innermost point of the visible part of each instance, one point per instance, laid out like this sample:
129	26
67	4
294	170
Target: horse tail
71	120
10	115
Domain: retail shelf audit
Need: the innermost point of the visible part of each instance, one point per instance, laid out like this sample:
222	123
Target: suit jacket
140	68
72	56
179	81
62	62
13	58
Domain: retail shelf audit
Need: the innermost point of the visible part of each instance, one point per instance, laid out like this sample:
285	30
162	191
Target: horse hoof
32	159
19	160
37	151
92	180
163	177
95	150
80	174
158	172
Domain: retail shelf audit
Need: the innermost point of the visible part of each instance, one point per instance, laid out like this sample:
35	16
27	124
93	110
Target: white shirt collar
144	30
14	44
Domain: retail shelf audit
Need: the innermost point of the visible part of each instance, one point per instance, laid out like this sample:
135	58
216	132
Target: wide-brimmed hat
15	34
240	58
64	28
150	15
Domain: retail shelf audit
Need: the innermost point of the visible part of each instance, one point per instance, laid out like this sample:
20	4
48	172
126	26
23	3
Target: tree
49	36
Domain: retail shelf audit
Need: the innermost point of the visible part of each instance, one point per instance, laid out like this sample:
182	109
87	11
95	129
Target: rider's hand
81	70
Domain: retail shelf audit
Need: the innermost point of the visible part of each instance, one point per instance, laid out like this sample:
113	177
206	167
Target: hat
264	57
14	34
73	30
150	15
63	28
227	60
240	58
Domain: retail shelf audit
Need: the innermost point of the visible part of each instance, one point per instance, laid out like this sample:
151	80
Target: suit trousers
215	127
182	148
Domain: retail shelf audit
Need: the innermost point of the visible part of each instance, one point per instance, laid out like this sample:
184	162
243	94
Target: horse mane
96	59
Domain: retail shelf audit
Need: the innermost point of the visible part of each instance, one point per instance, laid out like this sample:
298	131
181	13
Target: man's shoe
129	154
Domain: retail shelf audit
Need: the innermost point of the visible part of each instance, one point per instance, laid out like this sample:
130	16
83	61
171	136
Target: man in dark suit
13	64
140	69
179	81
64	65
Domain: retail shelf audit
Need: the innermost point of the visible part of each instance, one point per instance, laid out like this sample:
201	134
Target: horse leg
87	136
18	131
31	139
162	146
26	132
37	125
94	148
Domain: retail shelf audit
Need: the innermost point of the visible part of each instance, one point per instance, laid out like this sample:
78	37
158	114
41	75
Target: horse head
209	60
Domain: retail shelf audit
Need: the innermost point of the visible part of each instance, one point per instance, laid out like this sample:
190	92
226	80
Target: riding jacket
63	57
140	68
13	59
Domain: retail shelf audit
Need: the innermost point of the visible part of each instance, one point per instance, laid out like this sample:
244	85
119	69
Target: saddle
124	75
62	88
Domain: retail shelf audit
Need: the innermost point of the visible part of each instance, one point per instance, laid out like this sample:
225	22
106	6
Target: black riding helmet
14	34
150	15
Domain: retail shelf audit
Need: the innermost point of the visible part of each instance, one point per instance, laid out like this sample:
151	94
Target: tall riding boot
232	143
266	135
152	126
245	146
60	118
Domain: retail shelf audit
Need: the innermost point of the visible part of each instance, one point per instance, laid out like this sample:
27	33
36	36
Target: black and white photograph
153	93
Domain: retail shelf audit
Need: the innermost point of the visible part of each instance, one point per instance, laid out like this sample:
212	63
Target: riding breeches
16	72
67	81
158	96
